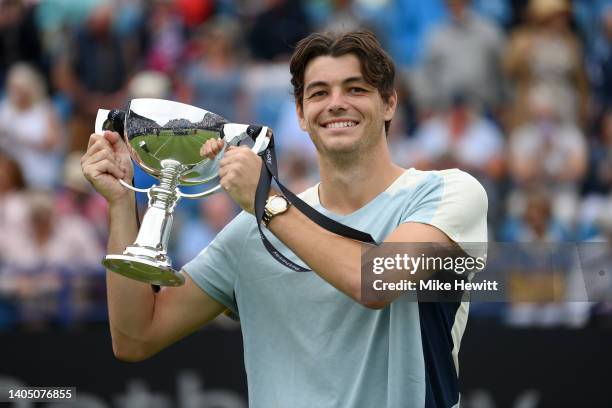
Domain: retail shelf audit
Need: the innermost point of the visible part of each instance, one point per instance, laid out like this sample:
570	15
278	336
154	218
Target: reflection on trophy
164	138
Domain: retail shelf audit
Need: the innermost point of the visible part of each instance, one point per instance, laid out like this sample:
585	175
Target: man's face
341	111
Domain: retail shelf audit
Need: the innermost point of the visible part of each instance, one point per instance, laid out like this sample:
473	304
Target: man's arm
142	322
335	258
338	259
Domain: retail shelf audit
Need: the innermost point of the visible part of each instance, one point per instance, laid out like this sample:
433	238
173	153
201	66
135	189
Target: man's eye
356	89
316	94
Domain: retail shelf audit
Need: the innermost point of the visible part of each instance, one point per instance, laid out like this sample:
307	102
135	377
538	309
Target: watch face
277	204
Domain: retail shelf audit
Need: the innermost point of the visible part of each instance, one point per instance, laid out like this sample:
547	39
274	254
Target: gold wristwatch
275	205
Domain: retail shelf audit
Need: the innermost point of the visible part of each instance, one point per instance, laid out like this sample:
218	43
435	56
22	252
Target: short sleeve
455	203
215	269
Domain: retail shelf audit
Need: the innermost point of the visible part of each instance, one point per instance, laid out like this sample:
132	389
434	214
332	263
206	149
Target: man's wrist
125	205
276	205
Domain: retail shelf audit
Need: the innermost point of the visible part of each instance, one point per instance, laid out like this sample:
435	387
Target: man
308	339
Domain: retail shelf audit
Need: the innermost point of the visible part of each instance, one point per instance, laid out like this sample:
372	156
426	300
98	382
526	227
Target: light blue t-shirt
308	345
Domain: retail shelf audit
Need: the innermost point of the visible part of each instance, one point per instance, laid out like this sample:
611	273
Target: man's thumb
116	141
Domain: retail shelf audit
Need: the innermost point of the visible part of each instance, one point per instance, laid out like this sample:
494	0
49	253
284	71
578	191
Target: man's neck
348	186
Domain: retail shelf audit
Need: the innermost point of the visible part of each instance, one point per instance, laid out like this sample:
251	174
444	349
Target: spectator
463	137
29	128
13	216
166	37
406	23
38	257
536	281
214	77
92	72
600	62
19	36
588	16
76	198
546	151
13	203
194	13
460	137
597	185
599	178
342	17
51	239
463	54
545	52
537	223
277	29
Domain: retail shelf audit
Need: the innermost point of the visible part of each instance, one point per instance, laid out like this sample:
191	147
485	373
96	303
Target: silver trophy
164	138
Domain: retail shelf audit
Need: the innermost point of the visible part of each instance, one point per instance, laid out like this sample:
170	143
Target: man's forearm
339	260
130	303
336	259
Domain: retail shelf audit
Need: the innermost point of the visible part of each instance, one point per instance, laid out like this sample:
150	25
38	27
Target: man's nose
337	101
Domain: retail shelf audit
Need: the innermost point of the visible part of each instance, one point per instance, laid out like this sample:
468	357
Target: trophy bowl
164	139
157	130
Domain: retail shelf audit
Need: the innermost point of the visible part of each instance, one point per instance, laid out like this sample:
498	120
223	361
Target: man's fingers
112	137
99	145
206	150
239	148
102	155
215	146
234	153
110	167
93	138
211	148
222	171
115	141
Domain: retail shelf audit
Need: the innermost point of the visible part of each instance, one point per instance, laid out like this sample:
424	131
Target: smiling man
310	340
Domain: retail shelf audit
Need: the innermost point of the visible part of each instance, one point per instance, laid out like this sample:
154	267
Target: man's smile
339	123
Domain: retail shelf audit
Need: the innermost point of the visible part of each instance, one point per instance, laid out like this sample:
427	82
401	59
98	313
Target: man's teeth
340	124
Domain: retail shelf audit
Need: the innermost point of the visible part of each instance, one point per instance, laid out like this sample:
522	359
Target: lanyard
269	171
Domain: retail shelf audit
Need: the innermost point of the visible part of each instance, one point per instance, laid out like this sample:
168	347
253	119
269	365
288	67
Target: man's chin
341	148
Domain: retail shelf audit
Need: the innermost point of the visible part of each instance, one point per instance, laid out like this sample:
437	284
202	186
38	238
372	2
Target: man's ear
390	106
300	115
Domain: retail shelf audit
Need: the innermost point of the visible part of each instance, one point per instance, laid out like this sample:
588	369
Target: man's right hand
105	162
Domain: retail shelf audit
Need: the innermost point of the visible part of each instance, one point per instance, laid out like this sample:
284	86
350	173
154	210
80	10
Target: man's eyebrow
345	82
354	79
315	84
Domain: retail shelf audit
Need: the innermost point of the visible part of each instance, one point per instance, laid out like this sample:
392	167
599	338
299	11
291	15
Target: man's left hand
239	171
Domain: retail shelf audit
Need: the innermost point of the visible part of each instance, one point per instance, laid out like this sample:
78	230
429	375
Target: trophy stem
147	259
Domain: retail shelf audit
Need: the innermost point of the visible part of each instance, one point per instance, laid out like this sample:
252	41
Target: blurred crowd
518	93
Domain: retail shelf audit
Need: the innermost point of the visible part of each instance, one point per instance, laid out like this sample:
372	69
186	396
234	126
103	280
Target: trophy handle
201	194
101	117
136	189
261	143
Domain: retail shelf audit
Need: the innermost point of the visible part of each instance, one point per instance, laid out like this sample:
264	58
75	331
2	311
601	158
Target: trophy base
143	270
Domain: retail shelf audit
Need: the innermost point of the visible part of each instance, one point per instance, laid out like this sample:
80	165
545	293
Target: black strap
269	171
